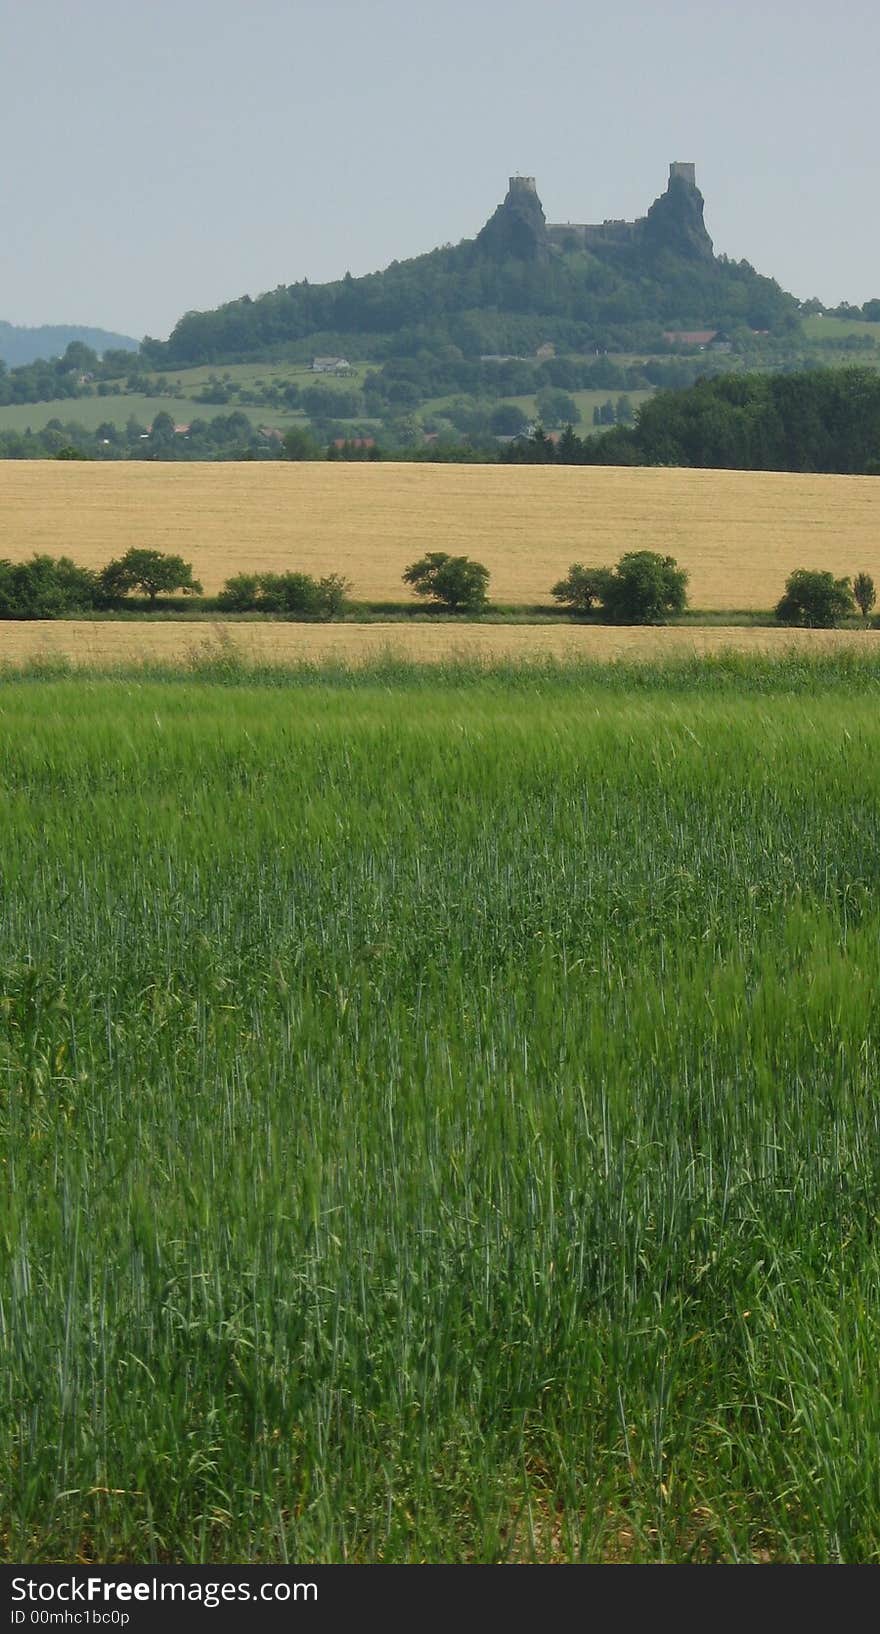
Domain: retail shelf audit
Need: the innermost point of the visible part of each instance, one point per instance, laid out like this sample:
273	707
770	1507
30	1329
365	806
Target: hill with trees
462	352
517	285
20	345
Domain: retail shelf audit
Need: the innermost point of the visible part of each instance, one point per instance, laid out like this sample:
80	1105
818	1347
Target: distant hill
615	286
19	345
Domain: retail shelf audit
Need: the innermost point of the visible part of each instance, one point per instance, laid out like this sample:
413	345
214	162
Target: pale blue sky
171	154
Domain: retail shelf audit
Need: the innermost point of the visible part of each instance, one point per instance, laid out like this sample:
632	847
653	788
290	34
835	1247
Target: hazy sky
160	155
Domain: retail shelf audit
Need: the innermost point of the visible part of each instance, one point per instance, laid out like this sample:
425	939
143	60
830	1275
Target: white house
330	365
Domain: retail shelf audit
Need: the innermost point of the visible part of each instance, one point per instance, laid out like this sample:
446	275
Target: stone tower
687	172
518	227
522	184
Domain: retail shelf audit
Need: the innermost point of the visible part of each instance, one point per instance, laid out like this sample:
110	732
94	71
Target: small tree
815	599
570	450
864	592
453	582
583	588
162	431
332	595
645	588
150	571
240	594
556	407
507	420
299	444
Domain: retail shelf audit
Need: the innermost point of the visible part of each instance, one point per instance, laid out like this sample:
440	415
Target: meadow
439	1110
819	327
175	394
739	533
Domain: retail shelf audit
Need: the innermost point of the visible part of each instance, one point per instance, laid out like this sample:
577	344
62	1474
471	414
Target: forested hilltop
520	283
467	352
20	345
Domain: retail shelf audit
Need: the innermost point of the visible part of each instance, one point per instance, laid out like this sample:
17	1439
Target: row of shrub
820	601
50	586
644	587
296	594
46	587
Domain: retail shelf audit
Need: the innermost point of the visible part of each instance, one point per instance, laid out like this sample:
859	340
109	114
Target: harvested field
96	642
739	533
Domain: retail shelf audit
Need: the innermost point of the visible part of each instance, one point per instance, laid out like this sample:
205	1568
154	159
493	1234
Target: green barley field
440	1114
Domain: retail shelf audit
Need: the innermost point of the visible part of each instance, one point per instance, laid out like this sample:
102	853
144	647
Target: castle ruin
673	223
605	234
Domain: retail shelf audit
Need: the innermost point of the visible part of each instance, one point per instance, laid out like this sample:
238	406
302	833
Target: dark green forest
817	420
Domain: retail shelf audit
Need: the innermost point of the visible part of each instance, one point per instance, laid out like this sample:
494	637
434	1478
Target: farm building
689	337
330	365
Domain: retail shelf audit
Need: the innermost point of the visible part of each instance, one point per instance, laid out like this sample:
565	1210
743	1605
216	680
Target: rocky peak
675	220
518	227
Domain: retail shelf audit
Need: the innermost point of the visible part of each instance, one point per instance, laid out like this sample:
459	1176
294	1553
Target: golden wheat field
93	642
739	533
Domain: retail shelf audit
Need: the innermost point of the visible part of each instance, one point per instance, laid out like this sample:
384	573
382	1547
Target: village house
712	340
330	365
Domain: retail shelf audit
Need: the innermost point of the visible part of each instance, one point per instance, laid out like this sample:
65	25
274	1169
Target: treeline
644	587
224	437
78	373
819	420
815	420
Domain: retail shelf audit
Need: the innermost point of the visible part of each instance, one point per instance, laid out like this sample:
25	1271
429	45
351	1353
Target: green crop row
441	1119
